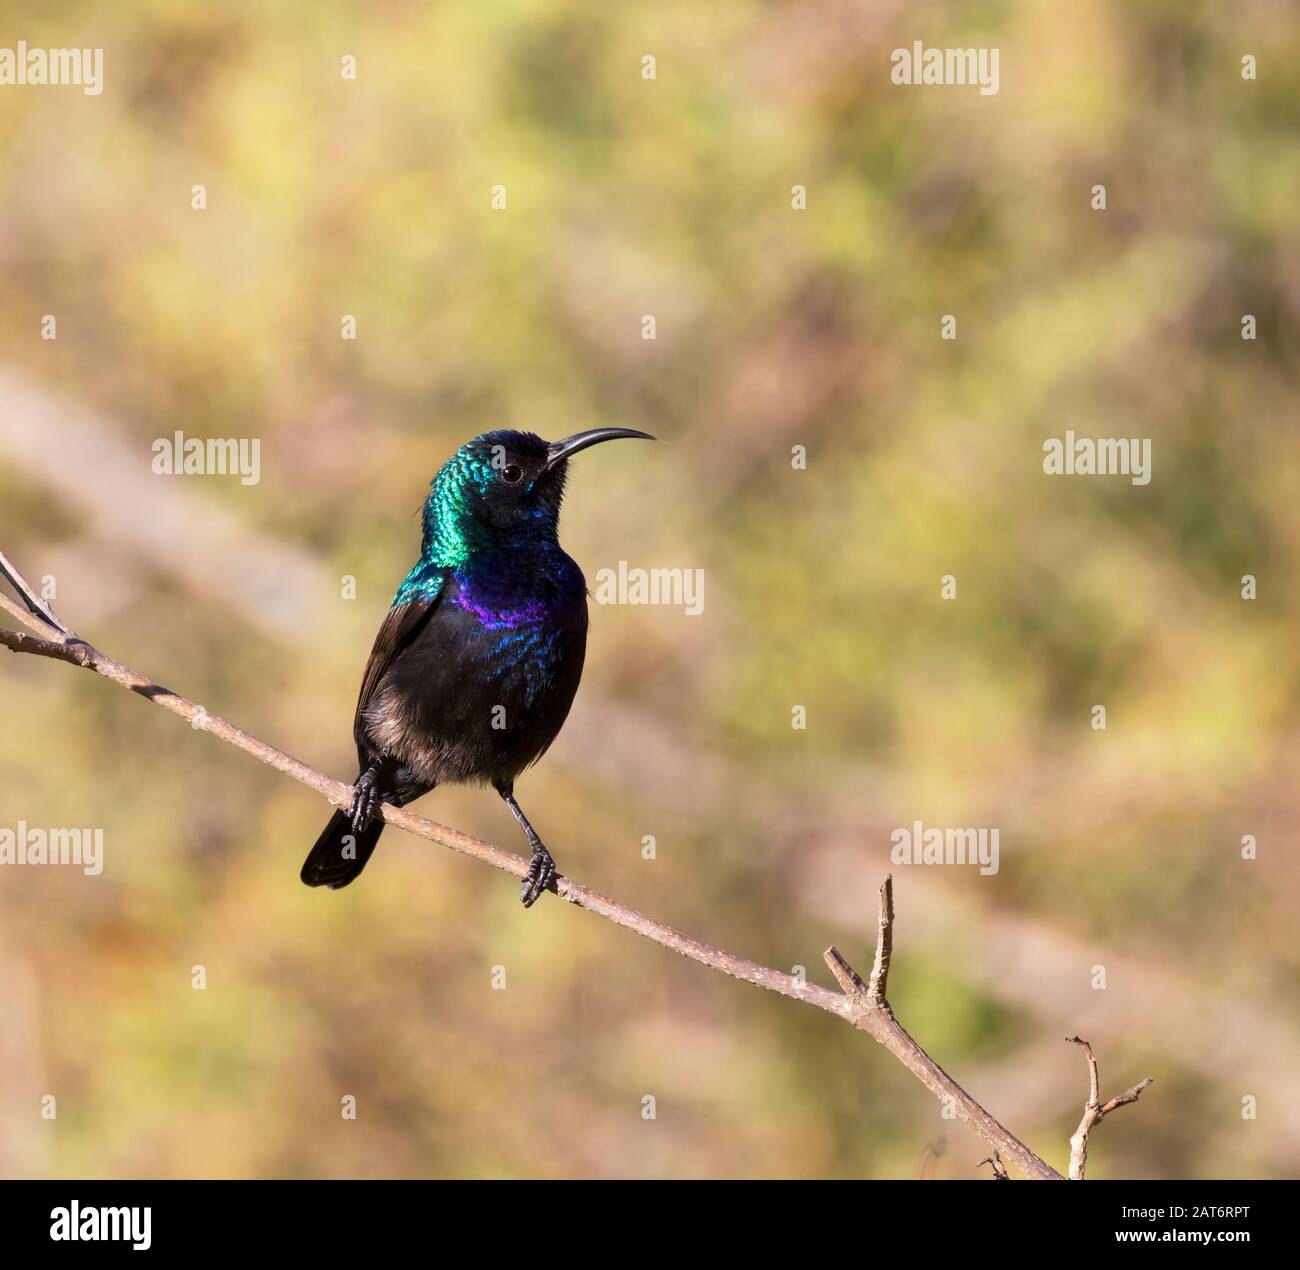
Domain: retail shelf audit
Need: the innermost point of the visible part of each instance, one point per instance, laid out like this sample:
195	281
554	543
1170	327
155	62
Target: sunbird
478	661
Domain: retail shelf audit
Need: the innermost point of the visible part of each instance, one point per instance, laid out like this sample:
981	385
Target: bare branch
38	607
884	943
847	977
1094	1110
18	642
999	1169
871	994
1123	1100
862	1004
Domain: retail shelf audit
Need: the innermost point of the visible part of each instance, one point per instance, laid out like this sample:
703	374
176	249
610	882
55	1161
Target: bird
477	663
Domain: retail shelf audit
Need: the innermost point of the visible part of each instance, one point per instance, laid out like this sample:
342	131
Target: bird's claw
541	877
365	801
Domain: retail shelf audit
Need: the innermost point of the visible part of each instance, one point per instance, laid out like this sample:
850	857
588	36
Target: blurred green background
775	328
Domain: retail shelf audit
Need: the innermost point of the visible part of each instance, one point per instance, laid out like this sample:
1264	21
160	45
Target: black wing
399	628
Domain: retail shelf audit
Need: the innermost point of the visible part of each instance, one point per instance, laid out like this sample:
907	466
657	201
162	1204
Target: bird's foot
365	801
541	876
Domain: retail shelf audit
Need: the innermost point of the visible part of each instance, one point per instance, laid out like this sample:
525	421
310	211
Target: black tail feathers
339	854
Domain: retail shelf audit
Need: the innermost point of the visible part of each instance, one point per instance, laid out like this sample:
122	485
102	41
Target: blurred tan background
775	328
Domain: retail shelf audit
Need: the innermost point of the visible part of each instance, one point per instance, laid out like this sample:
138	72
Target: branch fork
868	996
1094	1110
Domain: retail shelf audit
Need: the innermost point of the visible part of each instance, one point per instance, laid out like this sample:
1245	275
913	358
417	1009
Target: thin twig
39	608
1094	1110
879	981
863	1005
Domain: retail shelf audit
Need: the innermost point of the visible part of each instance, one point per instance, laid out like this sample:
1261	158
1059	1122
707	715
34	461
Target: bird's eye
512	473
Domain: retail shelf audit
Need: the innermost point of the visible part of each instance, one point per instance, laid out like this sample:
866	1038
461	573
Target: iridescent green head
500	490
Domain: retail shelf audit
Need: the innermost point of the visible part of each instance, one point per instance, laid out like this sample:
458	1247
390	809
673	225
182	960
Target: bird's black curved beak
558	451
